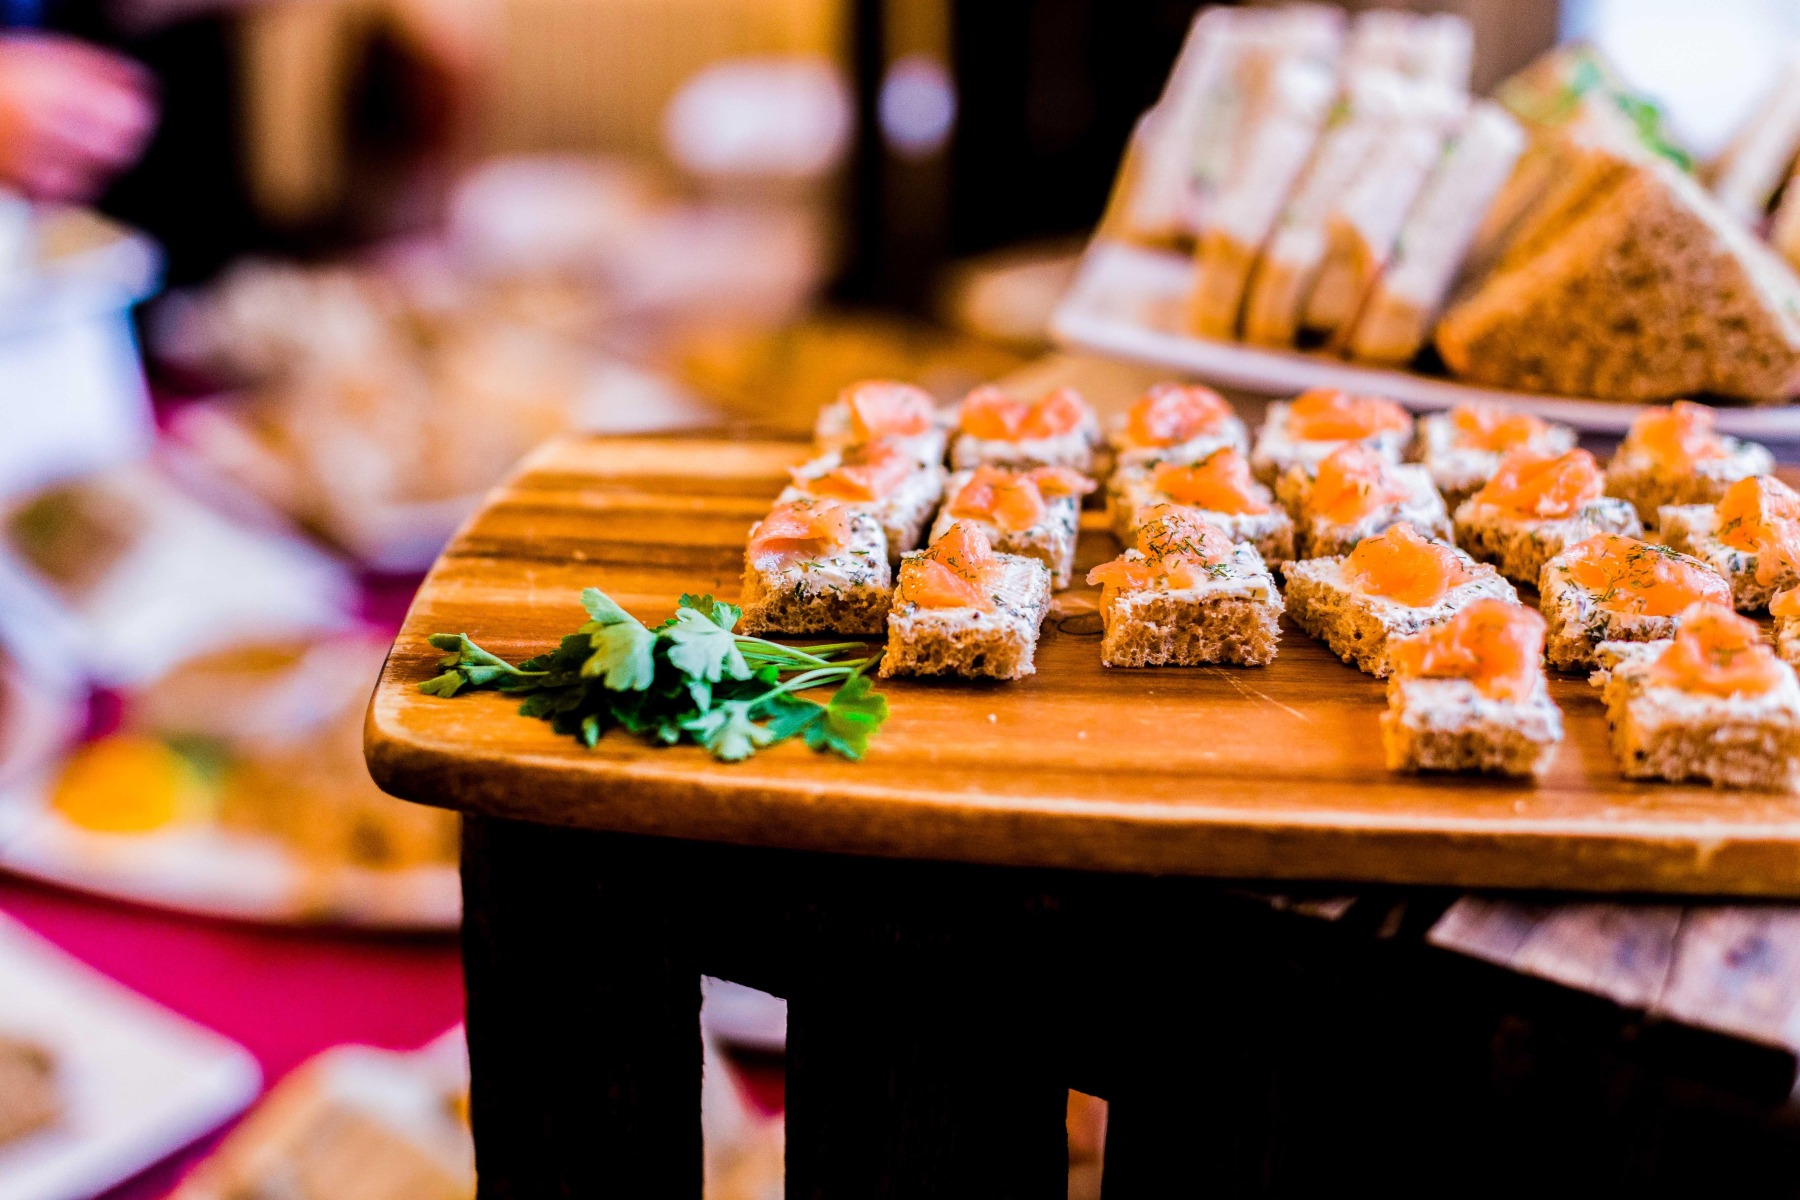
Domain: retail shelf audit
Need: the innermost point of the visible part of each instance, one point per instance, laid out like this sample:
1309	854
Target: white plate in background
138	1082
1127	301
215	872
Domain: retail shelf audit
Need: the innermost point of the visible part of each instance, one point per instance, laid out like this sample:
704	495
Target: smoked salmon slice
1761	514
1677	436
1015	500
1405	567
991	414
1328	415
1171	413
1220	484
887	408
1630	576
803	529
953	572
1543	486
1353	483
867	471
1491	427
1496	645
1785	603
1716	652
1177	549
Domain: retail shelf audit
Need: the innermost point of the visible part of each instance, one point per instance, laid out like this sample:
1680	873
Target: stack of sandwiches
1753	178
1339	187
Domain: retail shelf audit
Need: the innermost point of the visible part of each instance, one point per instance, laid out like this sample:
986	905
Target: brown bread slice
1653	292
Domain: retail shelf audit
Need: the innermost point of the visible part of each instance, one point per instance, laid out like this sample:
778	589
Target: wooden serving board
1262	772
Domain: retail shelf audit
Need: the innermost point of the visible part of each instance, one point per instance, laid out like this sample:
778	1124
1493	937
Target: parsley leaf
703	649
690	679
729	732
623	656
724	615
850	720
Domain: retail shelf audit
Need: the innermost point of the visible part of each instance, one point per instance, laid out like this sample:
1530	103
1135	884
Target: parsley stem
841	672
761	648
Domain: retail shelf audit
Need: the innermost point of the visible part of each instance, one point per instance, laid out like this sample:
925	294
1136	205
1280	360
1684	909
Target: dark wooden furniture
992	910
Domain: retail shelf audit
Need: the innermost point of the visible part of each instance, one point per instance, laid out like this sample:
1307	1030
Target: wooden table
964	932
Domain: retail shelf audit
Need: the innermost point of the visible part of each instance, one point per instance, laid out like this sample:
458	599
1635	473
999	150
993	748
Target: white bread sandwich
1760	158
1371	102
1403	303
1365	223
1436	48
1188	144
1289	114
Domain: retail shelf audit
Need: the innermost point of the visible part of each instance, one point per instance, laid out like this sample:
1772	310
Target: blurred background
285	285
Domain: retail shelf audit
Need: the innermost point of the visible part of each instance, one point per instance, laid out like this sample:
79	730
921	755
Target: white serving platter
215	872
1127	300
138	1082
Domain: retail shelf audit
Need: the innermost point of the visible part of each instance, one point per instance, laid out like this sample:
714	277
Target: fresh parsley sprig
692	678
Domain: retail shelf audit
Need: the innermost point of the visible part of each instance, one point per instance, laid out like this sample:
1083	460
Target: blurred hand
71	116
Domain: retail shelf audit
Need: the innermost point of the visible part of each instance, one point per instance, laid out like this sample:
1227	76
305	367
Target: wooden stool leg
583	1016
890	1101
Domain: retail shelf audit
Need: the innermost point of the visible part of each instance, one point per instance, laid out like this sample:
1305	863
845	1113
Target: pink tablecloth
285	995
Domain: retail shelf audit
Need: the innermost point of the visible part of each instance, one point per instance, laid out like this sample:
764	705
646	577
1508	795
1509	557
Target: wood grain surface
1265	773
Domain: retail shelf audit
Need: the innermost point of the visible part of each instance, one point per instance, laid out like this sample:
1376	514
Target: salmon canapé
1172	413
1677	436
864	472
868	471
1175	549
956	571
886	408
1353	483
1761	515
1546	487
1221	484
1015	500
1329	415
1716	652
1496	645
1406	568
1629	576
799	531
992	414
1494	428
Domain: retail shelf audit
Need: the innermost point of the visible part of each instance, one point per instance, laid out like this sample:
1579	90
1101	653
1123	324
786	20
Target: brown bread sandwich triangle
1649	290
